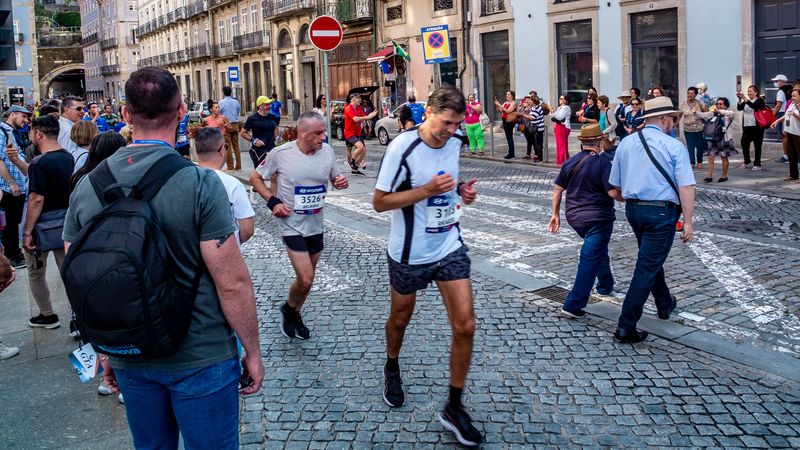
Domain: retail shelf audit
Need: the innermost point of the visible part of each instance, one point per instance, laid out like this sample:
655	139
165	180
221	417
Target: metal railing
223	50
180	13
256	40
90	39
349	11
198	7
199	51
214	3
110	69
108	43
278	8
492	7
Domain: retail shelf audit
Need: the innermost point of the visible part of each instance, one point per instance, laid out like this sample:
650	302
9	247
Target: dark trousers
754	134
534	140
258	154
13	206
793	153
654	228
696	145
594	264
508	127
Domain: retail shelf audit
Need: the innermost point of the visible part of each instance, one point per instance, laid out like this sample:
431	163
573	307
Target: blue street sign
233	74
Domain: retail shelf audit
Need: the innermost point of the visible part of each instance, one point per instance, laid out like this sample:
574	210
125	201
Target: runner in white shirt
417	182
299	172
211	153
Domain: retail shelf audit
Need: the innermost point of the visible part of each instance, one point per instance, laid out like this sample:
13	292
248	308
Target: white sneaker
121	400
756	168
104	389
7	352
745	166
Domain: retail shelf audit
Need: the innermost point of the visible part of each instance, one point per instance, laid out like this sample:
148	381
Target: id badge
86	363
309	199
442	214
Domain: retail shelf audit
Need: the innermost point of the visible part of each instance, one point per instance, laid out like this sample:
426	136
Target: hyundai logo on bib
307	190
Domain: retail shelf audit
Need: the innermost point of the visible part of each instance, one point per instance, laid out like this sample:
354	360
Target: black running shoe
301	330
287	325
356	172
393	389
18	262
42	321
353	164
460	423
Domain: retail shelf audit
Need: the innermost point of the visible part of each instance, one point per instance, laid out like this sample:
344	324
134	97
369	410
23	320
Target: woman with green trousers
473	124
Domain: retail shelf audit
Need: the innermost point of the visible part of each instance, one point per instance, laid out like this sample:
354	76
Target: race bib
309	199
443	214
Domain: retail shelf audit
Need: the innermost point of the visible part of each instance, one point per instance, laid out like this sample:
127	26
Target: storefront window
574	46
654	38
496	69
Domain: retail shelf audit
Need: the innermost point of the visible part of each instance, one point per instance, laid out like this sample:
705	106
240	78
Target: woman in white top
561	131
751	132
724	148
791	126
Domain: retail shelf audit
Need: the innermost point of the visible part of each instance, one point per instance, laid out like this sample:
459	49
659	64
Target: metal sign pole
327	94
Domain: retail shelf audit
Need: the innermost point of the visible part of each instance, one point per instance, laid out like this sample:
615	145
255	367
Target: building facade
19	86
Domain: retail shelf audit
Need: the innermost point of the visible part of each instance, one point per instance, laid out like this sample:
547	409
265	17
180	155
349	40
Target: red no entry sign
325	33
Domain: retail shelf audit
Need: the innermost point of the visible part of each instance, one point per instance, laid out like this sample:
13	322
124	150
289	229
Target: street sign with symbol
325	33
233	74
436	44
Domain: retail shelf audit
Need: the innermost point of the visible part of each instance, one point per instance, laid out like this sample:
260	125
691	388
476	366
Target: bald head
309	119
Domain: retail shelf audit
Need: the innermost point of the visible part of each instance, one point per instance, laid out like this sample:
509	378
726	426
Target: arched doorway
64	80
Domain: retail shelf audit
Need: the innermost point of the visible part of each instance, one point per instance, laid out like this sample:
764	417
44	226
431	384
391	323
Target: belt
659	203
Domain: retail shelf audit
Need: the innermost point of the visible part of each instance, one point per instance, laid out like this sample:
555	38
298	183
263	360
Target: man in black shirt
49	176
260	129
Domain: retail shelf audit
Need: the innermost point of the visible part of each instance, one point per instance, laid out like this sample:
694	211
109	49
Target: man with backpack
418	182
164	302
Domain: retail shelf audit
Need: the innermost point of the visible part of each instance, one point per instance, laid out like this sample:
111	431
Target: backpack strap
158	174
105	184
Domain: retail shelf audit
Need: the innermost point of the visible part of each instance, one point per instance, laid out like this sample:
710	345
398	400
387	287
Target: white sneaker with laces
121	400
7	352
104	389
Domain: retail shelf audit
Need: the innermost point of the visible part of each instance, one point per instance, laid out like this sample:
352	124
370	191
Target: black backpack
714	128
119	272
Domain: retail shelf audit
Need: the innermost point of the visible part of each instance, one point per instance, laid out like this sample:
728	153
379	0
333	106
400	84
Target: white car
388	127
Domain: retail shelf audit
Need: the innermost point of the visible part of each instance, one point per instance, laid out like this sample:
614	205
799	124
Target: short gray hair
207	140
309	116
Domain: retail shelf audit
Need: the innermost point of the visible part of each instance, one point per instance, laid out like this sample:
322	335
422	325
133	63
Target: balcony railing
180	13
351	11
223	50
198	7
214	3
108	43
110	69
256	40
180	56
278	8
90	39
161	21
199	51
492	7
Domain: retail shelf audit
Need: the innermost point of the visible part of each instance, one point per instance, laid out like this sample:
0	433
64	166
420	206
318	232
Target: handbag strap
658	166
578	166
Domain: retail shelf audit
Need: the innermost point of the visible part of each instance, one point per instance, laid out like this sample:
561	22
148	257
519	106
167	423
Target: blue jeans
594	264
654	228
696	145
203	404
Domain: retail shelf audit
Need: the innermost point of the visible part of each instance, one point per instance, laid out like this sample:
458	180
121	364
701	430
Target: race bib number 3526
309	199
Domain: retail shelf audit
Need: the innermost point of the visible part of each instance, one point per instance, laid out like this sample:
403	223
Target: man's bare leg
305	266
457	297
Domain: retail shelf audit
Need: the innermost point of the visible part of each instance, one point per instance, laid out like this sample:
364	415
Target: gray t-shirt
192	196
302	185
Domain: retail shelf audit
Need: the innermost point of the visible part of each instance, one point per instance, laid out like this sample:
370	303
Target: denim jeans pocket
197	382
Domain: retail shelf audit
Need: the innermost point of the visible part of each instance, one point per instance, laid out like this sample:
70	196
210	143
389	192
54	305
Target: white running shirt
237	197
429	242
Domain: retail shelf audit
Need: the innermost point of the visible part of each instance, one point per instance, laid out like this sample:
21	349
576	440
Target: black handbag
48	229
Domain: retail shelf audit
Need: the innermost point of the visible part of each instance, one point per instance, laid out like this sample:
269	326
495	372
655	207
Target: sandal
480	153
708	180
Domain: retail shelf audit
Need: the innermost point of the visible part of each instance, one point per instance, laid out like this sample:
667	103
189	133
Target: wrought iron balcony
351	11
144	62
215	3
223	50
199	51
180	56
492	7
280	8
108	43
161	21
170	17
90	39
110	69
198	7
180	13
257	40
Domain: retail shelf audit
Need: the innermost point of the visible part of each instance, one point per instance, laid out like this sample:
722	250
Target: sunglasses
635	103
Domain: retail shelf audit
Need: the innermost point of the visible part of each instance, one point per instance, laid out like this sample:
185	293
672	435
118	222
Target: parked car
388	127
199	112
337	109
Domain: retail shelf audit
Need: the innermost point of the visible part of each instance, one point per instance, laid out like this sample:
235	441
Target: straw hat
590	133
625	94
659	106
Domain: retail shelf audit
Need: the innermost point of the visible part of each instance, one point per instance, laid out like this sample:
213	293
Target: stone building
19	86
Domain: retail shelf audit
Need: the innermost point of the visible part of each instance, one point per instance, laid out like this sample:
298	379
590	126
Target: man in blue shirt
275	109
94	116
590	212
652	207
417	110
230	108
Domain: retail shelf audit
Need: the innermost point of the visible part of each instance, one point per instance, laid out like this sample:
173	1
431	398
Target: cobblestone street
537	379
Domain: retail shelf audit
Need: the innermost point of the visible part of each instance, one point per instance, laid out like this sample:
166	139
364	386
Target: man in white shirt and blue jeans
418	184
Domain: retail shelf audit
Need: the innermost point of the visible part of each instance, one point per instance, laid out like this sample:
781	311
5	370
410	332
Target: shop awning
381	54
